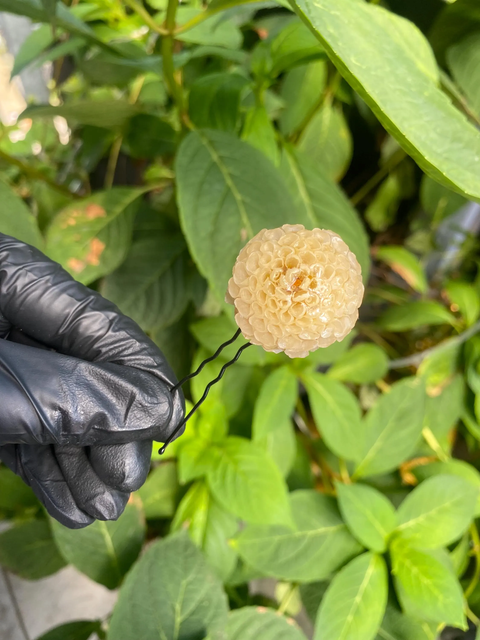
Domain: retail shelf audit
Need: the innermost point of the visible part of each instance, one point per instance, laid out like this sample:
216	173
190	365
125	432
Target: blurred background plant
163	138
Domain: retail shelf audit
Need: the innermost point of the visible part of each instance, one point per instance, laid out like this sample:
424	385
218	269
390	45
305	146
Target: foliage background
173	134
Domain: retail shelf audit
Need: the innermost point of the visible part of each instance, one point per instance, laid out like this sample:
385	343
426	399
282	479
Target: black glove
77	420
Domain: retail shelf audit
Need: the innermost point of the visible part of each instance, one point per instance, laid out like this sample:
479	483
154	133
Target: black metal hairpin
209	385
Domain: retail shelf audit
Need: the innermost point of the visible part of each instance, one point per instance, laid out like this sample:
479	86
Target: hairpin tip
162	450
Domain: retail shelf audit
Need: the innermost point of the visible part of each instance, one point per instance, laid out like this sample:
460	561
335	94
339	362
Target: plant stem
417	358
344	471
471	616
112	162
168	40
476	552
451	89
287	599
390	164
147	18
33	174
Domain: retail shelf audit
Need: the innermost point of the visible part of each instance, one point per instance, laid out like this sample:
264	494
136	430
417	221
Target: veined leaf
78	630
392	428
214	100
355	601
437	512
362	364
318	544
275	402
369	515
390	64
412	315
302	90
426	586
258	623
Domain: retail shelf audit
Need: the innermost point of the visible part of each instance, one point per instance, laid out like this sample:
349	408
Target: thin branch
390	164
147	18
417	358
476	552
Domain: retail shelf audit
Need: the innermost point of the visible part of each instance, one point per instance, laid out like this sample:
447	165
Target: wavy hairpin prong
209	385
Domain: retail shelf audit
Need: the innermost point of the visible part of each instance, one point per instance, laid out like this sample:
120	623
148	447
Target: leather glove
77	420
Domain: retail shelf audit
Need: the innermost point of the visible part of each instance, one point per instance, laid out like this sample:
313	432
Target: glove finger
39	467
123	466
48	398
43	300
91	494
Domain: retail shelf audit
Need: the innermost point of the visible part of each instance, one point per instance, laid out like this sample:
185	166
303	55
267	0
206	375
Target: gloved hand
77	420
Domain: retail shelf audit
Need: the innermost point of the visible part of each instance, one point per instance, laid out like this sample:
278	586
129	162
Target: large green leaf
413	315
397	626
437	512
275	402
104	551
355	601
258	623
364	363
109	114
327	141
78	630
318	545
302	89
159	493
392	428
214	100
227	192
29	550
170	594
426	586
150	286
389	63
209	526
369	515
247	483
91	237
336	412
324	205
280	445
16	219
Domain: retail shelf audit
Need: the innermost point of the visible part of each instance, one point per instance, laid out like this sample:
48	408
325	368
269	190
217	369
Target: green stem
147	18
112	162
476	552
33	174
390	164
287	598
451	89
168	41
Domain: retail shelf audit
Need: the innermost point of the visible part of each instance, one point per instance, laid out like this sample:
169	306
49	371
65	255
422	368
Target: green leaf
466	298
109	114
439	201
336	412
258	623
381	211
426	586
389	63
369	515
413	315
454	22
326	140
14	493
227	192
280	445
16	219
451	468
293	45
328	355
464	62
302	90
214	31
325	206
197	457
159	493
392	428
364	363
209	526
246	482
397	626
78	630
260	133
437	512
104	69
170	593
405	264
38	40
148	136
444	410
318	545
91	237
438	368
150	286
29	550
355	601
214	100
276	401
104	551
